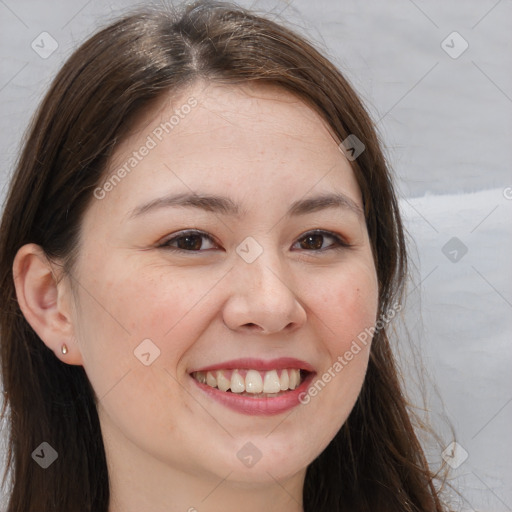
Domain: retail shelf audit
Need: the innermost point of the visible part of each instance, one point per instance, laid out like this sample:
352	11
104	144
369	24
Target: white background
446	125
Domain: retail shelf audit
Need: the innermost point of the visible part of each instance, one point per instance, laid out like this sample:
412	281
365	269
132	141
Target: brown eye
190	241
315	240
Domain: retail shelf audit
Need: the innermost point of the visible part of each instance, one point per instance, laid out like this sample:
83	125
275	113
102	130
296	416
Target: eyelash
339	242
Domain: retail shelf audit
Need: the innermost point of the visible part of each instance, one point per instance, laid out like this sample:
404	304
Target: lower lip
257	406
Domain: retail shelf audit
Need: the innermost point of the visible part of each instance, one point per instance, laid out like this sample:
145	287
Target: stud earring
64	349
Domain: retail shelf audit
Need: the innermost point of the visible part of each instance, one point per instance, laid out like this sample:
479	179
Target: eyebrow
226	206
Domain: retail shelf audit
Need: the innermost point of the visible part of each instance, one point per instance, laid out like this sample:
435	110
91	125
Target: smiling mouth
253	383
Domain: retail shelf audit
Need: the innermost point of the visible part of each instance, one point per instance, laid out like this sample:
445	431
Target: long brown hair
375	462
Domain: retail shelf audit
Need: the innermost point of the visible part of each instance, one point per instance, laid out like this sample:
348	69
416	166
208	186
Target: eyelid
340	238
184	233
341	242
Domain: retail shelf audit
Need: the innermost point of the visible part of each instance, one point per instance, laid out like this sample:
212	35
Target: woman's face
272	285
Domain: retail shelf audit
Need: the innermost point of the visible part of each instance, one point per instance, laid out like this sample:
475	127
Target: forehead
232	115
257	142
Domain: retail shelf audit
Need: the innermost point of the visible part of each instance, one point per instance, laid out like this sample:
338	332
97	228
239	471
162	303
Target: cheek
132	305
126	311
344	317
347	305
143	304
344	306
146	404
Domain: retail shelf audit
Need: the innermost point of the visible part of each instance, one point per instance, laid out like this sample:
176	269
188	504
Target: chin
260	459
264	473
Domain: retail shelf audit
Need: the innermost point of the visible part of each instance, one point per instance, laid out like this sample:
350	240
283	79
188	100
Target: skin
169	446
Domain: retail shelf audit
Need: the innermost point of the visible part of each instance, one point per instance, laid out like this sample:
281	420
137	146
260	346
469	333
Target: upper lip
257	364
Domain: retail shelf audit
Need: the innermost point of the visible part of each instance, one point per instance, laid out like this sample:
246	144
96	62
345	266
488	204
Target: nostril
256	328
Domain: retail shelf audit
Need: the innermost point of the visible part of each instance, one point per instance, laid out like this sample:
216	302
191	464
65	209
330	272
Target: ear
45	302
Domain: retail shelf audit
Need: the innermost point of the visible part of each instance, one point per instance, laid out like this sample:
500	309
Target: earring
64	349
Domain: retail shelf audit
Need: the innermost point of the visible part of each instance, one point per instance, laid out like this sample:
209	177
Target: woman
201	251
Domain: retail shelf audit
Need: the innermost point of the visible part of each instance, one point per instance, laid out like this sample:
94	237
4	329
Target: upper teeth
250	381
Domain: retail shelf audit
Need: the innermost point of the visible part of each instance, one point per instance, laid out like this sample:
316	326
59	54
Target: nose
263	298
